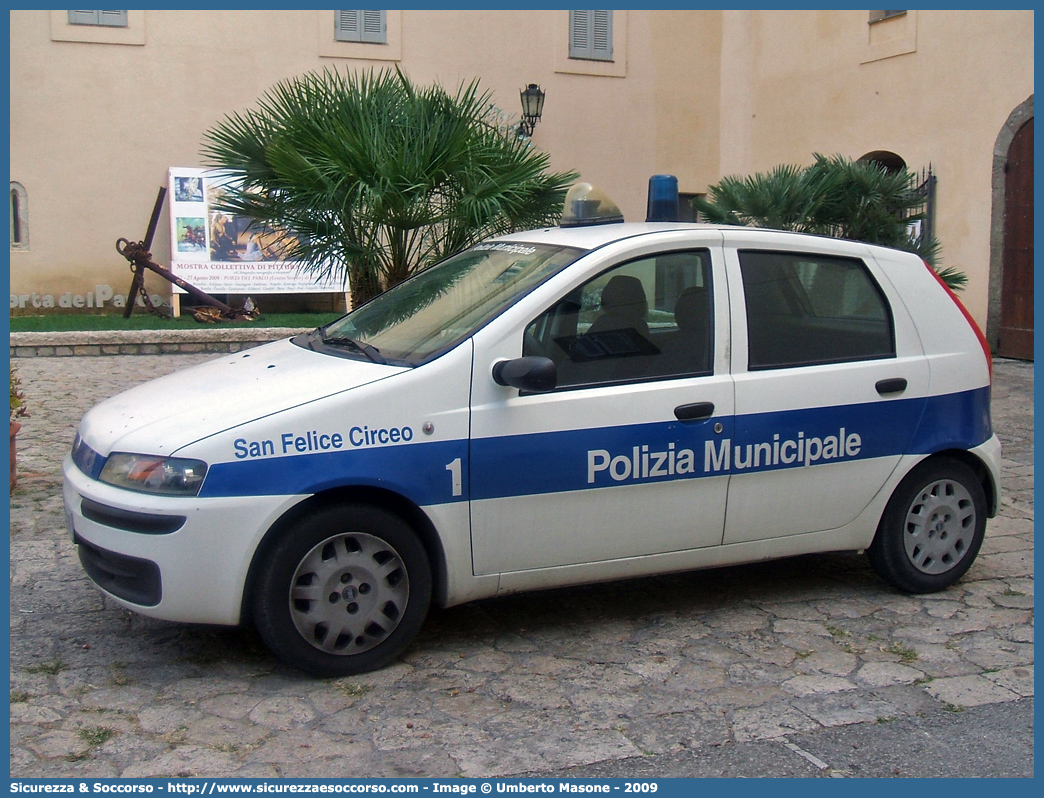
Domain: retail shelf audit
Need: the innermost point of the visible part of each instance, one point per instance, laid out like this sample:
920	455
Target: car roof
590	237
597	235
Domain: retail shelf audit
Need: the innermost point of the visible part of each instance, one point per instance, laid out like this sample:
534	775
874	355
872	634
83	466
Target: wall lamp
532	107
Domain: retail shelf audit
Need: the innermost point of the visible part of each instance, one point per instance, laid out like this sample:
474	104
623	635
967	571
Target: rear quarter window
808	309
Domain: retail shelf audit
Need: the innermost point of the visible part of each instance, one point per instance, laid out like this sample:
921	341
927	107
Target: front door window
643	320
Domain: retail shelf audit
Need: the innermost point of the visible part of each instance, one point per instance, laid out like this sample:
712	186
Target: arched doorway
1015	333
1010	322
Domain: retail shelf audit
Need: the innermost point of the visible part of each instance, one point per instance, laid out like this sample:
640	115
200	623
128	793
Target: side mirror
531	373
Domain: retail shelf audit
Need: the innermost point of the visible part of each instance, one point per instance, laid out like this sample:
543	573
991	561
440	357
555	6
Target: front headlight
146	473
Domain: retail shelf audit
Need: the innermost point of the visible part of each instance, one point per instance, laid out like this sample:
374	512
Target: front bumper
179	559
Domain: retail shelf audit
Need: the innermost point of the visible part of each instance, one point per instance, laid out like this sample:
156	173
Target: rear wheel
932	528
344	591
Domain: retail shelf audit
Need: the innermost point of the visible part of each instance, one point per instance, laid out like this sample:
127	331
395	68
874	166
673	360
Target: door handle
694	411
896	385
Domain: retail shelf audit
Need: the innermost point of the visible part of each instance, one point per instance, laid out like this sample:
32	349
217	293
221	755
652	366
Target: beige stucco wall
698	94
94	127
814	81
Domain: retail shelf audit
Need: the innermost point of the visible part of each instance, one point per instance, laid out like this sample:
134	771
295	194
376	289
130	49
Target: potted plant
18	410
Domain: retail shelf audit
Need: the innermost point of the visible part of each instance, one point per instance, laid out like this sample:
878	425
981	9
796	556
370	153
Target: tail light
978	332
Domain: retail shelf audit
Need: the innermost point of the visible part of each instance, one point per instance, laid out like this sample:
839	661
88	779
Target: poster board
224	254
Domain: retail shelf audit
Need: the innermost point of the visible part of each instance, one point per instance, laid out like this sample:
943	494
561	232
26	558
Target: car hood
169	413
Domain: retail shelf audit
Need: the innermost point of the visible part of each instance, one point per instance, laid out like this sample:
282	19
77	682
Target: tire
932	528
344	591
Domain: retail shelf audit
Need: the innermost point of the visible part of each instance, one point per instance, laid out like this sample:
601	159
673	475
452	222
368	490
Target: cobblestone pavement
526	684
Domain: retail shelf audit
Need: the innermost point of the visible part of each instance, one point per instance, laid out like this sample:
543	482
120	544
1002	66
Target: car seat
688	348
624	306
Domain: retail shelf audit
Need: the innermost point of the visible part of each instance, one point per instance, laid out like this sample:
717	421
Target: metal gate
925	213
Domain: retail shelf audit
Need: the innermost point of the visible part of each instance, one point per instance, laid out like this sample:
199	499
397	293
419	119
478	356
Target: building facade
102	108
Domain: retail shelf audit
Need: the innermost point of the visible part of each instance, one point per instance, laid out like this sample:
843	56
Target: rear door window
807	309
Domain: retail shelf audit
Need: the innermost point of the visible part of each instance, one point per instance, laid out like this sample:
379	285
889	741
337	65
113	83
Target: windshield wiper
371	352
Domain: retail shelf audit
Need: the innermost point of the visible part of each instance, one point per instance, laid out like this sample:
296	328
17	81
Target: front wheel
345	591
932	528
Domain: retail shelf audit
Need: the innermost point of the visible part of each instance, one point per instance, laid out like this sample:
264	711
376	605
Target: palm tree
368	178
855	200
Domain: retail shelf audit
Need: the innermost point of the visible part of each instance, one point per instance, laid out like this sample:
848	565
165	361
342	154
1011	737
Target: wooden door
1016	322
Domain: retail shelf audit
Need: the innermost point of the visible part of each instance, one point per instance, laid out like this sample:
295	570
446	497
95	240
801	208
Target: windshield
440	307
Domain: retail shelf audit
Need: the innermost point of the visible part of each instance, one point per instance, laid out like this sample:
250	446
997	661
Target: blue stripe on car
552	462
417	471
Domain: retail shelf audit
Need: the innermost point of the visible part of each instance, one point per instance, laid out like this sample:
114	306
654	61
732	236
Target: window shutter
346	26
83	17
602	40
108	19
361	26
113	19
373	27
591	35
579	36
877	16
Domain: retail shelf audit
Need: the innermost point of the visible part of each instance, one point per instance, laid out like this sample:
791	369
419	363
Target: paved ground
806	667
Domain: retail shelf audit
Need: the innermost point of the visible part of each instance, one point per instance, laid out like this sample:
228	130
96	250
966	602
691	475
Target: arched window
19	217
885	159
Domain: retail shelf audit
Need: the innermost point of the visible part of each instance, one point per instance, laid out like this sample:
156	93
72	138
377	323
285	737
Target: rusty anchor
140	258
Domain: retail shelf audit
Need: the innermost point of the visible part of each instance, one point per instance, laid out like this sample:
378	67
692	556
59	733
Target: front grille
130	521
129	578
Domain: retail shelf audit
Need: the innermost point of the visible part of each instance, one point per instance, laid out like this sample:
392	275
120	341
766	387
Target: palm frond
835	196
373	178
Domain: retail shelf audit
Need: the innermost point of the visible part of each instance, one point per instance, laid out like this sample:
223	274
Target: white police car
568	405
